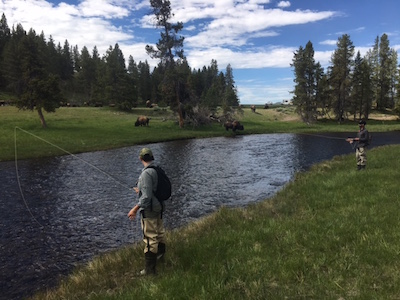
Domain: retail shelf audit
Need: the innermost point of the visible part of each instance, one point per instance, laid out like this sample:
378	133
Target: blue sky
256	37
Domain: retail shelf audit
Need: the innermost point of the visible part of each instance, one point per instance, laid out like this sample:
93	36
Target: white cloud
329	42
273	57
236	27
102	8
284	4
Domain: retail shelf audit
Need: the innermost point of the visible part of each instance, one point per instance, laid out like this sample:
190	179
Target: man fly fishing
360	143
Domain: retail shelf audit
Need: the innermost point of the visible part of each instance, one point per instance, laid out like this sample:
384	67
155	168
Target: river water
64	210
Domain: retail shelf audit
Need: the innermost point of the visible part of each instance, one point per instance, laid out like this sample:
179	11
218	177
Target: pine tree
393	75
361	93
38	90
340	76
169	46
5	36
145	82
384	80
306	74
230	97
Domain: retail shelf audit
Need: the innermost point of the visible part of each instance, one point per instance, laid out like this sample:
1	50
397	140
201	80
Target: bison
235	125
142	121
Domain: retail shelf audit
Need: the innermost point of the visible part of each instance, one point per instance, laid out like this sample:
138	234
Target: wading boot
151	262
161	251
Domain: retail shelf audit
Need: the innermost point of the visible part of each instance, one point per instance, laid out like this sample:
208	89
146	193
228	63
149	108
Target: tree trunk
181	122
42	120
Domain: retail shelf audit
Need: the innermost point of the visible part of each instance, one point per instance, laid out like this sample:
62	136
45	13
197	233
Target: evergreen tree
393	75
397	97
86	76
5	36
230	98
54	61
117	87
145	83
133	74
67	64
306	74
12	60
169	46
38	90
372	57
340	76
384	78
361	93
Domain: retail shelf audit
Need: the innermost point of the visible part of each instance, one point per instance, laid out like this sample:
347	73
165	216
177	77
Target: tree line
351	86
43	75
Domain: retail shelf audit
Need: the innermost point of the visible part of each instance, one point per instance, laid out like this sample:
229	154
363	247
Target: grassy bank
333	233
82	129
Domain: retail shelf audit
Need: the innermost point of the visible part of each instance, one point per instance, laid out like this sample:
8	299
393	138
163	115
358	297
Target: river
65	210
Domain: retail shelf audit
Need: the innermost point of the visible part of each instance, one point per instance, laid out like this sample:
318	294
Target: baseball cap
146	154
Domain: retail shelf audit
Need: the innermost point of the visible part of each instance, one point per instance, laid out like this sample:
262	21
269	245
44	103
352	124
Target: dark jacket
363	136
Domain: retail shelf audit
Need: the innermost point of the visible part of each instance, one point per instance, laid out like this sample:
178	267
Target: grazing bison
235	125
142	121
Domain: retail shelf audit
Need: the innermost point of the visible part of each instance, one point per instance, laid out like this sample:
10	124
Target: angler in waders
151	213
360	144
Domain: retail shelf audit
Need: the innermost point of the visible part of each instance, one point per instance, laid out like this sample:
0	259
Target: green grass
86	129
332	233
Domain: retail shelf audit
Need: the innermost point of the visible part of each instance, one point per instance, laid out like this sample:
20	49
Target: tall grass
332	233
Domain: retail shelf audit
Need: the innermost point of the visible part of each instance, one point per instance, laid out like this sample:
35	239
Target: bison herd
234	125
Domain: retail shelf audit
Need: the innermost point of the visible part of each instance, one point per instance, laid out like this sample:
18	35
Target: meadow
84	129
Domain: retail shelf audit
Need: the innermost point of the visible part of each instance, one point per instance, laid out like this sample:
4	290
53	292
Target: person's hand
132	212
136	189
350	140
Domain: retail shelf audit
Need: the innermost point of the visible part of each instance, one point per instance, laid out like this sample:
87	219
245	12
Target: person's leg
363	157
358	158
149	226
160	238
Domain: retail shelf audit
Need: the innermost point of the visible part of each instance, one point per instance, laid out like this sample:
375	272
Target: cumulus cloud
284	4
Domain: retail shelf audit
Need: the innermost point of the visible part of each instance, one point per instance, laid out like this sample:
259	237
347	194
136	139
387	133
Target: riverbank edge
331	233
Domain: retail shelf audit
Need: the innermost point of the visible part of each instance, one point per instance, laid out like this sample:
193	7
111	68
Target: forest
352	86
40	74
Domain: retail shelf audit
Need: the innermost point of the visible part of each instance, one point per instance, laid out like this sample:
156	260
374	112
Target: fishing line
73	155
19	183
69	153
323	136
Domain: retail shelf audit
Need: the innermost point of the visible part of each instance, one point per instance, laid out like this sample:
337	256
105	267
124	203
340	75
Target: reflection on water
84	211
